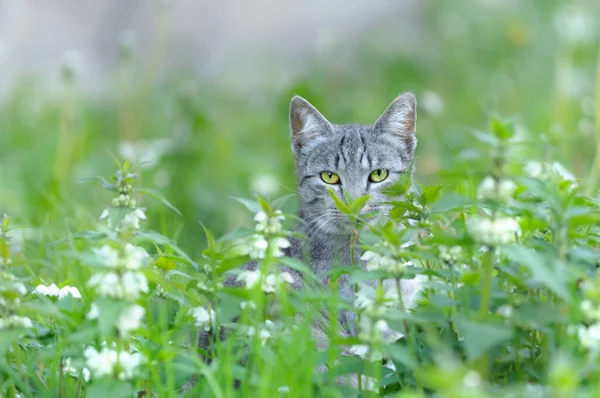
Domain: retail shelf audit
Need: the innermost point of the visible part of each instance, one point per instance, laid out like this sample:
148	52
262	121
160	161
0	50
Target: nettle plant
510	300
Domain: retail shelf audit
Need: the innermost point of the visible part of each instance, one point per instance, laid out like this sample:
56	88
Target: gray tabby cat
360	159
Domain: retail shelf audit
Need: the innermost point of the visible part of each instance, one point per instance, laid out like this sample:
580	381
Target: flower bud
132	204
115	202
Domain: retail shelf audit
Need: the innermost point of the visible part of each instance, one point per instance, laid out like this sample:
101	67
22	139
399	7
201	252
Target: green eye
378	175
330	178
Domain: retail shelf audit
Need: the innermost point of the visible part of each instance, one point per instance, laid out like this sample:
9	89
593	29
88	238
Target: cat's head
358	158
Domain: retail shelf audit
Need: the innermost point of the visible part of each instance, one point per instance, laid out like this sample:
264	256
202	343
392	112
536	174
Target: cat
361	159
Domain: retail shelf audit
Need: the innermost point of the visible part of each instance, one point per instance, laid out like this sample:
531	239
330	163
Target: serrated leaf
338	202
159	196
358	204
431	194
481	337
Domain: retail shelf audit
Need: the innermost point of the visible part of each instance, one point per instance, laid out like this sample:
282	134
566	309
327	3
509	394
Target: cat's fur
352	152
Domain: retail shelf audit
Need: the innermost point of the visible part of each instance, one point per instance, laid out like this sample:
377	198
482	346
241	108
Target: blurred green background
201	140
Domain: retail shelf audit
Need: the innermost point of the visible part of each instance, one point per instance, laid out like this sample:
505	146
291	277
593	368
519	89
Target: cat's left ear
400	119
307	124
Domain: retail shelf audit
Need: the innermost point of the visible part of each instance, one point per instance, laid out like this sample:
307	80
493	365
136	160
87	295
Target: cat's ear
306	123
400	119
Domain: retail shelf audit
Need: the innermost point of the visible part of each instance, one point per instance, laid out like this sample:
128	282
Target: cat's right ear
306	123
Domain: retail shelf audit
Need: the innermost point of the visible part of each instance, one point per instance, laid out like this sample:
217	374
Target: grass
518	317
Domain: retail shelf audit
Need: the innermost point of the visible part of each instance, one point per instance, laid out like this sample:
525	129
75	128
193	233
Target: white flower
269	225
251	278
133	284
105	362
499	231
248	304
534	169
256	247
19	288
272	281
591	311
279	243
71	370
505	311
264	335
491	189
129	363
130	319
104	214
377	330
376	261
450	255
69	290
506	189
54	291
135	257
589	337
108	256
129	285
265	185
432	103
132	219
203	319
472	379
94	312
15	321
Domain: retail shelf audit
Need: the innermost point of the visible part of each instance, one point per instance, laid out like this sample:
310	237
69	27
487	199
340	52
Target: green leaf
338	202
4	249
431	194
99	181
299	266
5	222
481	337
540	268
166	263
358	204
280	202
399	188
504	130
158	195
109	311
400	354
452	201
265	206
231	262
7	337
251	205
106	387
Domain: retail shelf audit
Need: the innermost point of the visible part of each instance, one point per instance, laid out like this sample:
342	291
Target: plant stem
484	306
